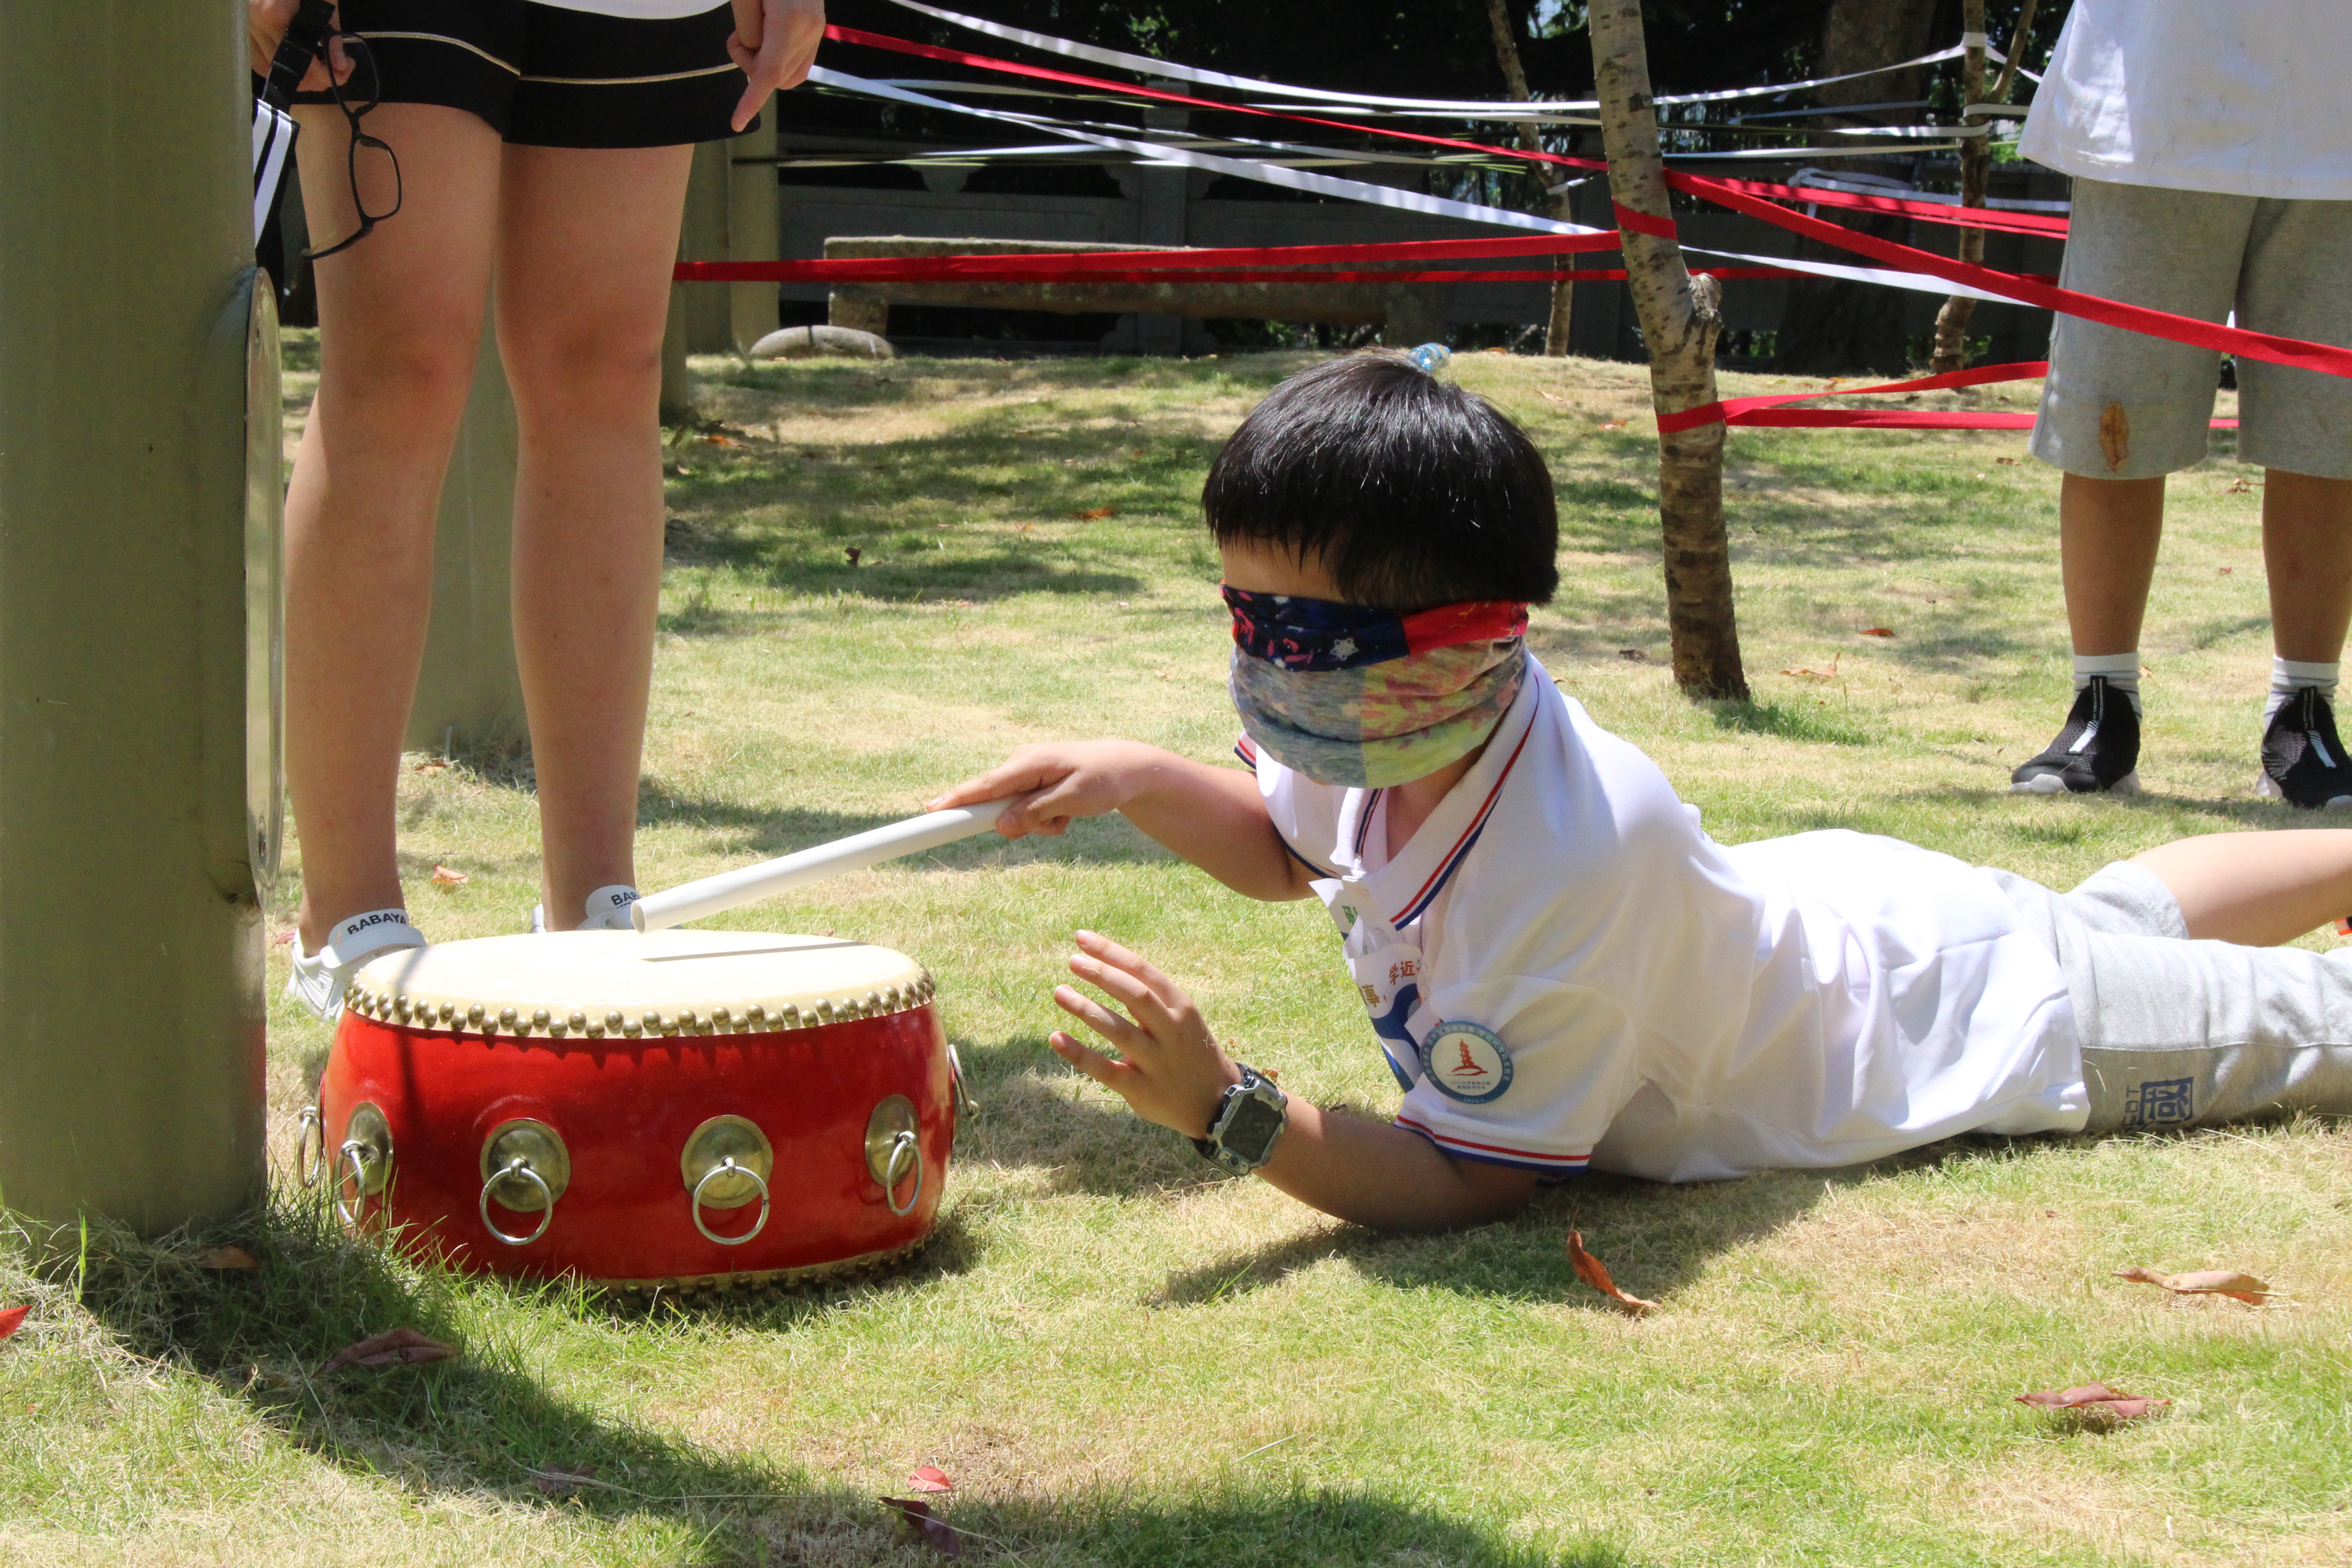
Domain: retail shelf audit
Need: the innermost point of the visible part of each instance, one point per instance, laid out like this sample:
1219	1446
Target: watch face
1251	1131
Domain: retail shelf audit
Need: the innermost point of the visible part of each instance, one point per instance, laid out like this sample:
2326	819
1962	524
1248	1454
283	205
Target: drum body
684	1109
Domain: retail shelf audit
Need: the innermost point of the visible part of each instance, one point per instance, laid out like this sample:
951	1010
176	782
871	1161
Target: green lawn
1123	1357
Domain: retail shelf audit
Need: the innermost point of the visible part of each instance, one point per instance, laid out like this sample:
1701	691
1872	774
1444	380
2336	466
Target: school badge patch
1466	1062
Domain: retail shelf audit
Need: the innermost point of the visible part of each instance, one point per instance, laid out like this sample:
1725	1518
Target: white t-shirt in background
1563	968
2245	98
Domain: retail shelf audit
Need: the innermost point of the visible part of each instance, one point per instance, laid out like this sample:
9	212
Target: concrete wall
1173	207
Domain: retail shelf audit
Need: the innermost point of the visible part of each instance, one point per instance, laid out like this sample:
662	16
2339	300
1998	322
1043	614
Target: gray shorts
2280	265
2180	1033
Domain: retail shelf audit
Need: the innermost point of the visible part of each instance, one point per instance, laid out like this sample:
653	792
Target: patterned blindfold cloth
1350	695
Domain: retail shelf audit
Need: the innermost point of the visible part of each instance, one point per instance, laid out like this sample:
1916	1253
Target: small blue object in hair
1430	357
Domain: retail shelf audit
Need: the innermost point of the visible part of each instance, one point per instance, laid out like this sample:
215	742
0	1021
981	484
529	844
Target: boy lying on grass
1562	968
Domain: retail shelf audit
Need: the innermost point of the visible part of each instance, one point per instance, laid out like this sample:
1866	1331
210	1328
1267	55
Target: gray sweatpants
2180	1033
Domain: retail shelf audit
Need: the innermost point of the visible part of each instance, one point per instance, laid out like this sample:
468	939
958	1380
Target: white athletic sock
2122	670
2289	676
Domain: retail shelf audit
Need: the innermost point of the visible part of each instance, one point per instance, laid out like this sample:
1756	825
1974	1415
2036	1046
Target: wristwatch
1248	1122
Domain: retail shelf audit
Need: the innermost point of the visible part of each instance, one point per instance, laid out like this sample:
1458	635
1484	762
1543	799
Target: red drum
679	1111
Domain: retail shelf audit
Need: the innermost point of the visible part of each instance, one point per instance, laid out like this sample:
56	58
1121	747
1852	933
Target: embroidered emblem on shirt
1466	1062
2161	1102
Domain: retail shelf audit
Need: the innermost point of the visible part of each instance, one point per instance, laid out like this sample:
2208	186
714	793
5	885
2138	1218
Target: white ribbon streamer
1268	174
1144	65
1376	195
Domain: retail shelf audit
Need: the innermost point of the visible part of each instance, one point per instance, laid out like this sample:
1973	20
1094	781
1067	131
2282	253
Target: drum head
595	983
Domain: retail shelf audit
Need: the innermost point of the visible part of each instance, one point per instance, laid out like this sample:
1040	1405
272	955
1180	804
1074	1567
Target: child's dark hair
1411	490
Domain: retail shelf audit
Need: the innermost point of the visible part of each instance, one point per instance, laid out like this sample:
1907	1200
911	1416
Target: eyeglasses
373	168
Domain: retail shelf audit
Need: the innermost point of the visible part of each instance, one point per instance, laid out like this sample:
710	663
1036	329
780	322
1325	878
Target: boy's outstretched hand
1059	781
1169	1069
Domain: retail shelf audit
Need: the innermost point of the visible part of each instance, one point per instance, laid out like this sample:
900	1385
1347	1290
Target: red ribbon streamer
1125	90
1634	222
2326	358
1034	266
1772	411
2044	225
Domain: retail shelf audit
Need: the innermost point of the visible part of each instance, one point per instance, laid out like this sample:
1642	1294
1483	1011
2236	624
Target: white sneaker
319	979
608	909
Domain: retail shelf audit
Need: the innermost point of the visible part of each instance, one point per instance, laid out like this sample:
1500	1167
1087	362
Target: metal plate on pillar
265	596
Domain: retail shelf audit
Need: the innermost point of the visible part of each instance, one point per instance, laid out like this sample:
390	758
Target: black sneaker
2303	760
2096	754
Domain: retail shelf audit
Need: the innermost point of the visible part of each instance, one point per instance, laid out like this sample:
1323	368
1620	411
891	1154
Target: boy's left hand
1170	1070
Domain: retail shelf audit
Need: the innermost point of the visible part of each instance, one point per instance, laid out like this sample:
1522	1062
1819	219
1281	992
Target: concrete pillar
1162	218
710	314
468	693
131	927
755	228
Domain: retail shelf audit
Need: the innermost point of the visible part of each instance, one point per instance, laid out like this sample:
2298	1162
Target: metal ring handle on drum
904	1143
518	1166
726	1167
305	1173
353	1154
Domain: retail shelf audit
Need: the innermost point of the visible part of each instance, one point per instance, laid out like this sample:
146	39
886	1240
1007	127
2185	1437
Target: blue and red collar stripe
1461	848
1323	635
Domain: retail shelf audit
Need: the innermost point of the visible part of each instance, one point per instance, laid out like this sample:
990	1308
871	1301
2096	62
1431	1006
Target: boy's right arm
1212	817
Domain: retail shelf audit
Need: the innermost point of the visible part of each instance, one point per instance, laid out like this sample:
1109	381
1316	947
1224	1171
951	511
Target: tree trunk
1515	80
1679	323
1975	163
1833	326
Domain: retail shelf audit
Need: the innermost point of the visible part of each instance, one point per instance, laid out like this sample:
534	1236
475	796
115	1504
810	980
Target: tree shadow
480	1424
483	1428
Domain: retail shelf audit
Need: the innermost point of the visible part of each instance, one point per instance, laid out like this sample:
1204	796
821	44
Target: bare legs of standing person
583	294
581	242
400	316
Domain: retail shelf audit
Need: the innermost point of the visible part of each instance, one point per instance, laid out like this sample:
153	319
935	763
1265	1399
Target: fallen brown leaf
2204	1282
1590	1270
2227	569
561	1480
394	1347
444	877
1877	632
917	1522
227	1257
1098	514
2096	1400
931	1479
1550	396
11	1320
1612	425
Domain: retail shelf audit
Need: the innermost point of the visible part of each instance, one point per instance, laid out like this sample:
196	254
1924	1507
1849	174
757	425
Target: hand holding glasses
372	167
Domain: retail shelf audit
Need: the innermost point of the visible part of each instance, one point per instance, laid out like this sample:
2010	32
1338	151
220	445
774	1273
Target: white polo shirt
2243	96
1563	969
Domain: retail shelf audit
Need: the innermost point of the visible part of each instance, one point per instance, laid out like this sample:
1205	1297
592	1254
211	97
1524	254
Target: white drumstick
693	901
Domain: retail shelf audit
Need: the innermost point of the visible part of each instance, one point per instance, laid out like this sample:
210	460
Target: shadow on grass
482	1426
1655	1238
1790	722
